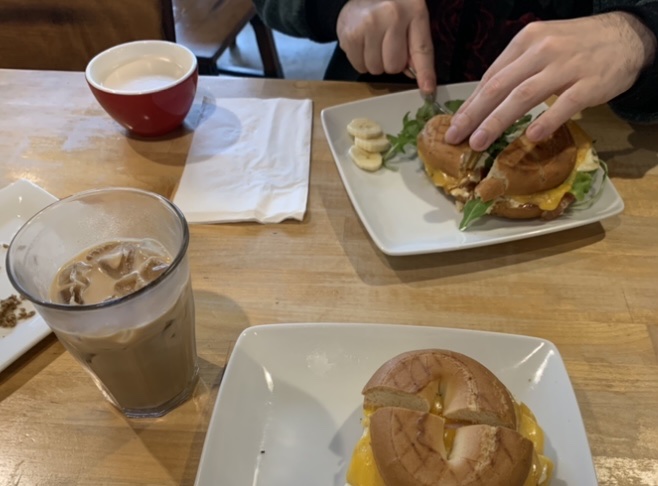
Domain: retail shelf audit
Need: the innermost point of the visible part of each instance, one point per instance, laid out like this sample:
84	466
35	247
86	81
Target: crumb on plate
12	311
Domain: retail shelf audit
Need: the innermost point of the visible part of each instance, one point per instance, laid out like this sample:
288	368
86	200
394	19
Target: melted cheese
363	469
546	200
542	467
441	179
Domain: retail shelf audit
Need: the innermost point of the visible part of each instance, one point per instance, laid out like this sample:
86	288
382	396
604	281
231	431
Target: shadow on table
475	260
29	365
367	259
642	144
628	148
172	149
186	426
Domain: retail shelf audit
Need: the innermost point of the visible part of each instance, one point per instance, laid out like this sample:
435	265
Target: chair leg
267	48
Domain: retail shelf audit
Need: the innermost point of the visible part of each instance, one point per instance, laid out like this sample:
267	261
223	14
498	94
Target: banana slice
379	144
364	128
370	161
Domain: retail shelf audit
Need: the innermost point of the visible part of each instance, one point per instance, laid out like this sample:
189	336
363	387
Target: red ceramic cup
146	86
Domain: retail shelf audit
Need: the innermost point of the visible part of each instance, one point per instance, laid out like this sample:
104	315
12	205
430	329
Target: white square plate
403	212
289	405
19	201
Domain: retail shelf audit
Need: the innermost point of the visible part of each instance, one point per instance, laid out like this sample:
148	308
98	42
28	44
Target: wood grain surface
592	290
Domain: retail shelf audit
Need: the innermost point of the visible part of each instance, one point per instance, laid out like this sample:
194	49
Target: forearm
312	19
638	25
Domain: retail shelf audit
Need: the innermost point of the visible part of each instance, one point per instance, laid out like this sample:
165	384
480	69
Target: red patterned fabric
468	40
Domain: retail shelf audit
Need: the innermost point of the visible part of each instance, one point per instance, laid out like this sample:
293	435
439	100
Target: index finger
510	54
421	53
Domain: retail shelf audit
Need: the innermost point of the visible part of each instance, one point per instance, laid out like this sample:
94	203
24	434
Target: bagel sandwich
515	178
438	417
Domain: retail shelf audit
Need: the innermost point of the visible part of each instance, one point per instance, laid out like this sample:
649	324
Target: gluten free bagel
523	180
437	417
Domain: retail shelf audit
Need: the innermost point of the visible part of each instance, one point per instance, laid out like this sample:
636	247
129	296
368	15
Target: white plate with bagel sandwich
405	213
290	405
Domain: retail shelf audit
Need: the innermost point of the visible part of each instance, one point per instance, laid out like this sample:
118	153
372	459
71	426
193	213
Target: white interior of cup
140	67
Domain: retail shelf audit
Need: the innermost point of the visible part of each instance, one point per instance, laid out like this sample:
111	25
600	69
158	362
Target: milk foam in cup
108	272
147	86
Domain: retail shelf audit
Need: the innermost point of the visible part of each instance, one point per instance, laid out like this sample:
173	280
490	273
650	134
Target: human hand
387	37
586	62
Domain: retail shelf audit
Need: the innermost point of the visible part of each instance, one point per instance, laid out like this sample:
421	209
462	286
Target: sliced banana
364	128
379	144
370	161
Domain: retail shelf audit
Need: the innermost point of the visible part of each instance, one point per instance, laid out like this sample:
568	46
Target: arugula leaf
426	111
519	124
407	136
454	105
505	139
508	135
474	210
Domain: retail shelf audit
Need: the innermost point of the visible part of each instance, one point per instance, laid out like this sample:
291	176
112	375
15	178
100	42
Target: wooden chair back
66	34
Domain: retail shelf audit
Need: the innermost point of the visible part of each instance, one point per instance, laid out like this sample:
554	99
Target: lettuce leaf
582	184
592	193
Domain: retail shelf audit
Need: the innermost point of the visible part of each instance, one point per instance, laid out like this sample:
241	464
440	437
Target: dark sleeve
311	19
640	103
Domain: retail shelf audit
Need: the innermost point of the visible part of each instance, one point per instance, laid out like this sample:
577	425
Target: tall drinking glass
138	345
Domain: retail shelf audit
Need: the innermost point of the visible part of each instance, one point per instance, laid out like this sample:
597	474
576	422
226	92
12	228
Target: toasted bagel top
469	392
435	153
524	167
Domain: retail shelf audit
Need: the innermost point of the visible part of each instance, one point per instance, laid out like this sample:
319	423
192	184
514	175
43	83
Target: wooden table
591	291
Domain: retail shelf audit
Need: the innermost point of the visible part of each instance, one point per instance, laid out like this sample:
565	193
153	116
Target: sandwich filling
363	468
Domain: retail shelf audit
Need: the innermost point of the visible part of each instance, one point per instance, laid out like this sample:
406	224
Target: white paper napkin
249	161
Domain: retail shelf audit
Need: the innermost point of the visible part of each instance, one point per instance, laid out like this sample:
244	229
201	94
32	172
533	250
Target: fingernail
535	133
479	140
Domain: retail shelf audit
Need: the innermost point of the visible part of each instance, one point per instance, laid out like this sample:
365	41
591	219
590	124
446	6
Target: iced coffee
107	269
131	363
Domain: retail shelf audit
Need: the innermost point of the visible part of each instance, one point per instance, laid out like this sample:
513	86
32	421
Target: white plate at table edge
403	212
289	404
19	201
